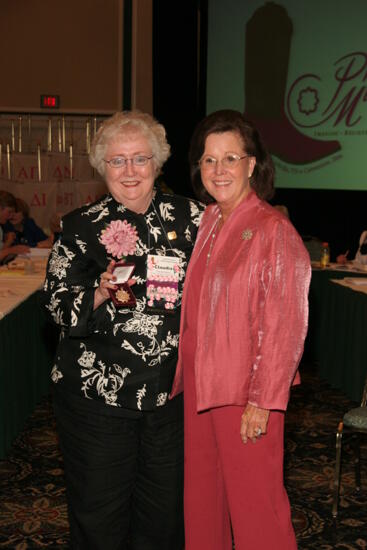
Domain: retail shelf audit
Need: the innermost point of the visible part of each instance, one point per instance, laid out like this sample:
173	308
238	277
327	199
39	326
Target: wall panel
69	48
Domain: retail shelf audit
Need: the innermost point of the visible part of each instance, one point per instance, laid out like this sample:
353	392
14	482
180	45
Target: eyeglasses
230	161
121	162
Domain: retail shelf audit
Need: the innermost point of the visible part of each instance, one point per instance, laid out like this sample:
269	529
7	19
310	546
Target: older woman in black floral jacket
120	436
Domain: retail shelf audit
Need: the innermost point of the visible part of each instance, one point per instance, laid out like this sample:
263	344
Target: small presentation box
123	296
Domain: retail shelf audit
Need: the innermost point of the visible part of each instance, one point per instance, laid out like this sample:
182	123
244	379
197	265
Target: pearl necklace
213	235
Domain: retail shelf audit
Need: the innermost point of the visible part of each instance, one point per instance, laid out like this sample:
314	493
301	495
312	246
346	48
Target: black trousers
124	476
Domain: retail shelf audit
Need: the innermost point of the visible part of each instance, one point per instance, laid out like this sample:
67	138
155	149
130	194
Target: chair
354	421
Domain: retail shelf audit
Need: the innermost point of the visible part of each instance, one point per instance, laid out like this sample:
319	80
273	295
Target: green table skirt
337	339
27	346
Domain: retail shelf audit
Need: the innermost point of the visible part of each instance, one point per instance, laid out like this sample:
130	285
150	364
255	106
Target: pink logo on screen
346	102
308	100
266	98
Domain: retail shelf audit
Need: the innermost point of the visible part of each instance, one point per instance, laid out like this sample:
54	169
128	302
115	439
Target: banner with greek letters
48	198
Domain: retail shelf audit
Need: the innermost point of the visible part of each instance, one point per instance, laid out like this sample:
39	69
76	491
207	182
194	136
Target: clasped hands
254	422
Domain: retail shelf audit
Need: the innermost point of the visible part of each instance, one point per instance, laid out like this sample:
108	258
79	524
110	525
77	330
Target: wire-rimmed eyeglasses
231	160
121	162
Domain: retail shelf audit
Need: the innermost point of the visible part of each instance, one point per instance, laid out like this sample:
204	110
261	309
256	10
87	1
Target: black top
30	235
120	357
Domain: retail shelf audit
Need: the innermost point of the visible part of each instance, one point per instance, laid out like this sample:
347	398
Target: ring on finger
258	431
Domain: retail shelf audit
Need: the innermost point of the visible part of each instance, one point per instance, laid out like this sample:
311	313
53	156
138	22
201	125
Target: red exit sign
50	101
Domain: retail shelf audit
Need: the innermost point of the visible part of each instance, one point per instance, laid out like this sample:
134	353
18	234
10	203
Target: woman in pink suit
243	325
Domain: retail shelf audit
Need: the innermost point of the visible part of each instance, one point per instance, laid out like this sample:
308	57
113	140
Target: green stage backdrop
298	69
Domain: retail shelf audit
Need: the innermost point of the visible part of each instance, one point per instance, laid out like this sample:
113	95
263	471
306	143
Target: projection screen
299	71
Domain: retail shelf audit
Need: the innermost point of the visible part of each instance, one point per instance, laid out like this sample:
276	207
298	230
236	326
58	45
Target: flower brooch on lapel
119	238
246	235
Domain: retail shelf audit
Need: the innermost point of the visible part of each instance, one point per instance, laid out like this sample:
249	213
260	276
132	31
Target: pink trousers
229	484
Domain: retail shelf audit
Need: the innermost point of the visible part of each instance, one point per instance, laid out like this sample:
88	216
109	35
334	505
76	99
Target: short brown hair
22	207
7	200
262	179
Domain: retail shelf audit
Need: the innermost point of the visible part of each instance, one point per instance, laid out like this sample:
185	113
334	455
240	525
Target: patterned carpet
32	492
314	413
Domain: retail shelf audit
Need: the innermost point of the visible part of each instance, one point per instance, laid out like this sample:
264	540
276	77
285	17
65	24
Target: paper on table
12	273
353	267
39	252
7	292
356	280
359	266
342	267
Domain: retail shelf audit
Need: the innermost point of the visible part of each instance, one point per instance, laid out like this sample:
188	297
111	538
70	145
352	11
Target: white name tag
162	282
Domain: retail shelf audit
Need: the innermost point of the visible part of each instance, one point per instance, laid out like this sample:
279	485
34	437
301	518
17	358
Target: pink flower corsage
119	238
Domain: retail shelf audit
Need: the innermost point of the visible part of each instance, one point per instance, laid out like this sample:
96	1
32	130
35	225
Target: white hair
127	123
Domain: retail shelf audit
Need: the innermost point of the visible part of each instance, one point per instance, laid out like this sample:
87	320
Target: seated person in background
21	229
7	208
361	255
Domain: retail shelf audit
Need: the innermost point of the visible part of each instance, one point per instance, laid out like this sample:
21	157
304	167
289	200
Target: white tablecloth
359	285
16	284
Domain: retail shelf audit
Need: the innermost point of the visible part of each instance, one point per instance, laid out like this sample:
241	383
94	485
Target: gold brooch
246	235
122	296
172	235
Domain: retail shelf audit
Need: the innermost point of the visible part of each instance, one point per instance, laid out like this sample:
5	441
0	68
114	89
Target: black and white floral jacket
120	357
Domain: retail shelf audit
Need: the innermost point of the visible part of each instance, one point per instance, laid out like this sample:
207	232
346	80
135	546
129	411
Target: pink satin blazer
253	309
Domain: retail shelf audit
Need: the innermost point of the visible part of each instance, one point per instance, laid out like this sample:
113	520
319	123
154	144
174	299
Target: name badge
162	282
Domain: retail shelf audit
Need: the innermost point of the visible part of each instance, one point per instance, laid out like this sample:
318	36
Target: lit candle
63	135
20	135
71	161
49	136
59	135
88	137
94	126
12	136
8	159
39	162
